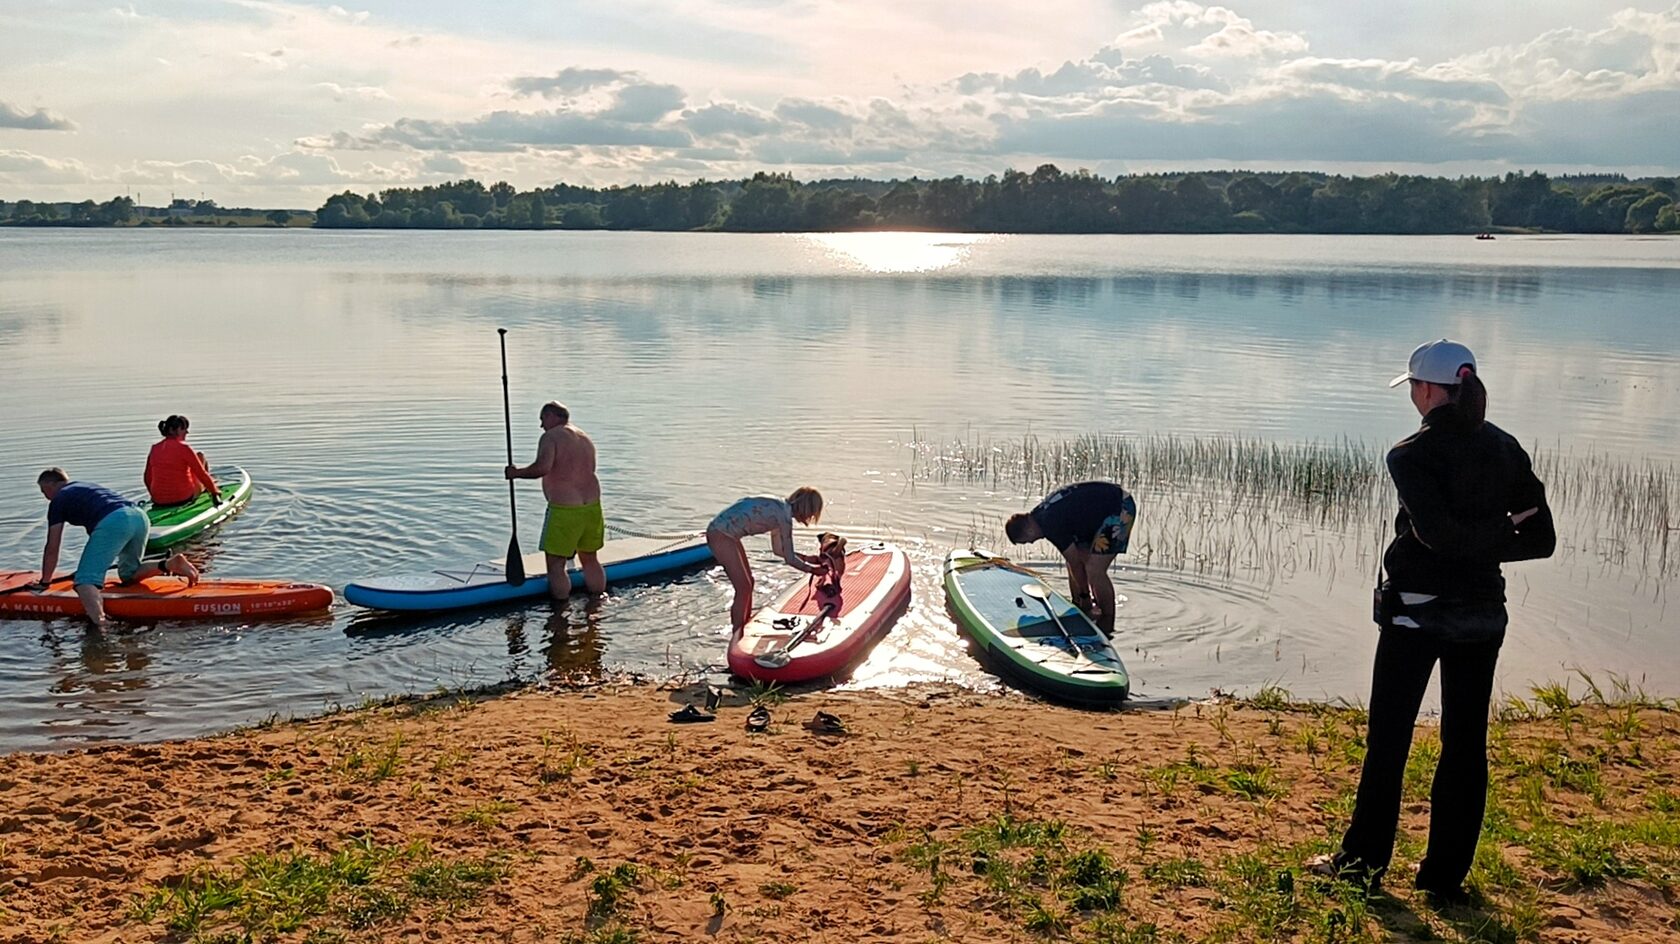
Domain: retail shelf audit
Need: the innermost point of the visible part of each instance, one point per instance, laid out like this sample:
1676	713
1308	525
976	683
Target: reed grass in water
1235	506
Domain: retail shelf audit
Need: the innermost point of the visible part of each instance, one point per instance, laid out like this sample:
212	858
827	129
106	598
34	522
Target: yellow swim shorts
568	529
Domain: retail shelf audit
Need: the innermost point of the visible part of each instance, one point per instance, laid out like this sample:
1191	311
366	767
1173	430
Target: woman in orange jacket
175	473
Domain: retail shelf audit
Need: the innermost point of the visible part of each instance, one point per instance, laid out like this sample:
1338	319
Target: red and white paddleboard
829	632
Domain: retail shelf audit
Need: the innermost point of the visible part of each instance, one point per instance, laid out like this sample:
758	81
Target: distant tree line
113	212
1044	201
122	211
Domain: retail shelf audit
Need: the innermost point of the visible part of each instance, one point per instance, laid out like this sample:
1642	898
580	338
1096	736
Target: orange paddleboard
164	598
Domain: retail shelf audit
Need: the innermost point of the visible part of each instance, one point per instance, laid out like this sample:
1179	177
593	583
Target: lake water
356	376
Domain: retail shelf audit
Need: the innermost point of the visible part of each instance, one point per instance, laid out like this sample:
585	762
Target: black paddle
1041	593
515	560
779	658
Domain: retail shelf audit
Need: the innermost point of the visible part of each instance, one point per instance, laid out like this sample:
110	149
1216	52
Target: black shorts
1115	532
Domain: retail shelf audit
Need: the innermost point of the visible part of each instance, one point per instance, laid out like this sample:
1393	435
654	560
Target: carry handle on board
781	657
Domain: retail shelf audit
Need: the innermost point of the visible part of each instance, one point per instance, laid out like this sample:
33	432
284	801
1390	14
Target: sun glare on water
896	252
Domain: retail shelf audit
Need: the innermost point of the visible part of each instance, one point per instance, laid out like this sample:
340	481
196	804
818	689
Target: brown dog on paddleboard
831	550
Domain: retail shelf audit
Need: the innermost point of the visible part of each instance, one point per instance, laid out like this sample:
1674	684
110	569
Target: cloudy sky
264	103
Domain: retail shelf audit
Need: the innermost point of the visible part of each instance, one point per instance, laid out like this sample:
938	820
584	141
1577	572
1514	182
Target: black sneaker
1443	898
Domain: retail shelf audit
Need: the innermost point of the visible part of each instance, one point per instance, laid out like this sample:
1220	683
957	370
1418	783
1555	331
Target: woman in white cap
1469	502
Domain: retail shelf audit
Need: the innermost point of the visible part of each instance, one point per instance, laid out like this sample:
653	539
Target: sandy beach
584	815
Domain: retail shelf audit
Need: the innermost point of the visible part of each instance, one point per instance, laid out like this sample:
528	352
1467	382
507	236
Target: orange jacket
174	473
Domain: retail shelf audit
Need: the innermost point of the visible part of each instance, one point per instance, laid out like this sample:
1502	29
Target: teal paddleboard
177	523
1016	636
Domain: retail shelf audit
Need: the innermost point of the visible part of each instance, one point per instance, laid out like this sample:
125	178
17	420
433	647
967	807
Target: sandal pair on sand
822	723
758	721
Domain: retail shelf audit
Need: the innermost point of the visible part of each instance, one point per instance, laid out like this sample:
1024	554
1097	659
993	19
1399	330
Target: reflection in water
356	376
896	252
571	642
574	649
114	660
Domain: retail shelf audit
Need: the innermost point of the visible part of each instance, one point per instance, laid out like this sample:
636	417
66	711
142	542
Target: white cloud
273	59
366	93
343	14
1637	52
730	118
1357	78
511	130
1203	31
24	169
38	120
814	114
569	82
644	103
444	164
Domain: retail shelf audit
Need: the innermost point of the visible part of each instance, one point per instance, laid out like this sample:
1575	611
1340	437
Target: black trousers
1458	798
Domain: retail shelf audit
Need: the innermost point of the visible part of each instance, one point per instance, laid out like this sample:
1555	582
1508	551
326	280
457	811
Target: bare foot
181	567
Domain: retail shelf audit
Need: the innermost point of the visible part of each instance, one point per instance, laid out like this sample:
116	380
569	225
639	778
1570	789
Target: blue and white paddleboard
486	584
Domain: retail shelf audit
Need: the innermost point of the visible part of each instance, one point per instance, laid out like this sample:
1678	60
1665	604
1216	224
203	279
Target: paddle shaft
986	560
1045	602
804	632
515	560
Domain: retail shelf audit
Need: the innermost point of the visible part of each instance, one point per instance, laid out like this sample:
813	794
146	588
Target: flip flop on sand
689	714
825	723
759	720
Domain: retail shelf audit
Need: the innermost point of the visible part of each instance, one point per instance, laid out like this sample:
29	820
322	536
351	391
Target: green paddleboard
178	523
1016	636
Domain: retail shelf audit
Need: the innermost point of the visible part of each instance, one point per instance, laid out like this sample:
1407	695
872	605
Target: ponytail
1470	397
172	424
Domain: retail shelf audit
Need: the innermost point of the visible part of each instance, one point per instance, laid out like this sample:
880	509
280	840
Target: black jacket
1458	488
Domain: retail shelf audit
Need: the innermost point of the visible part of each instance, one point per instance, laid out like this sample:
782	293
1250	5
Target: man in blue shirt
117	532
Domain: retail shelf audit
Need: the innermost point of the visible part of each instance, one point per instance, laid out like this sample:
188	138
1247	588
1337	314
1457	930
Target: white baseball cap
1437	362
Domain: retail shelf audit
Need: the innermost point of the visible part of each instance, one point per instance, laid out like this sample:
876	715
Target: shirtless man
573	525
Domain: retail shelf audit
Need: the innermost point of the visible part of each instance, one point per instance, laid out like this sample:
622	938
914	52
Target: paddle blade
515	563
774	660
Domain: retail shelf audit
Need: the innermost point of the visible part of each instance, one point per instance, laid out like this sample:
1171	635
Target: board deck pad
863	573
165	598
990	602
874	590
485	583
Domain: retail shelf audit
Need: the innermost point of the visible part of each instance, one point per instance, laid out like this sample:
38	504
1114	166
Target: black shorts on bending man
1091	524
